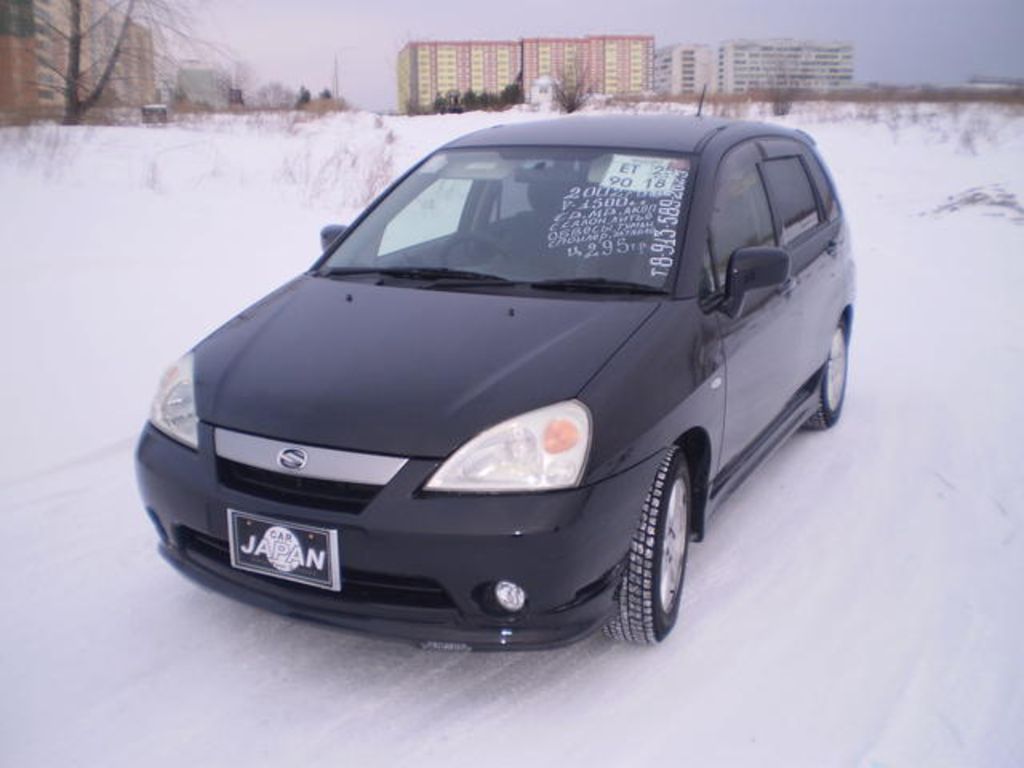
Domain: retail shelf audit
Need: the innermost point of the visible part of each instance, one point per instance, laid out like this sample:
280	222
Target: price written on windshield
634	209
663	179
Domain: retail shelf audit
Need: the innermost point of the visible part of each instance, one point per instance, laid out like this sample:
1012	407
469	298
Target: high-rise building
681	69
610	64
17	55
133	81
621	65
41	29
52	28
34	41
563	59
428	70
752	65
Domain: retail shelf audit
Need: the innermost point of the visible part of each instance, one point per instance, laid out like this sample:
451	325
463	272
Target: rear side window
828	196
741	216
792	196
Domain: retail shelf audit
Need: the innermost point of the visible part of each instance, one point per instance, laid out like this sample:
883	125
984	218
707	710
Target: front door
762	343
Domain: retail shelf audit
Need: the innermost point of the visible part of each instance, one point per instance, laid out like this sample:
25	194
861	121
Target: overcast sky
897	41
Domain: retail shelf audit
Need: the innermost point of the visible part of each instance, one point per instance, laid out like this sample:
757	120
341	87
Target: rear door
807	220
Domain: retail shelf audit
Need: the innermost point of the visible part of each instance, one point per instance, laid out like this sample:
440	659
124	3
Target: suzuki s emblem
292	458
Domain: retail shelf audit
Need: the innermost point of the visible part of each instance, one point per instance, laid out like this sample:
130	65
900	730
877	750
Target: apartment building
611	64
751	65
32	52
34	48
684	69
133	81
620	65
52	27
427	70
17	55
565	59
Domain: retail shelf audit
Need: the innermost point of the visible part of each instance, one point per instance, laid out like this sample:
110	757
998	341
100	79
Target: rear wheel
832	390
648	596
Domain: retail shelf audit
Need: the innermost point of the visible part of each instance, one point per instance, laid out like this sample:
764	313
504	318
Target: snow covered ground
860	602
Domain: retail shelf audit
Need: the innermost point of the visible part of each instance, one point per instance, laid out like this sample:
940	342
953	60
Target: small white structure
200	84
542	92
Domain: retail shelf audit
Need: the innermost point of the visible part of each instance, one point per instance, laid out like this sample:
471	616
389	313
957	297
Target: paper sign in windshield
655	176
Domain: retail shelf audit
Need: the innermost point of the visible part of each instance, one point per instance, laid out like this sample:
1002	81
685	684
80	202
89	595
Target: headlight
174	407
539	451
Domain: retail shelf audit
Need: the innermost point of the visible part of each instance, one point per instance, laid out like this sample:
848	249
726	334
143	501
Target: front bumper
414	566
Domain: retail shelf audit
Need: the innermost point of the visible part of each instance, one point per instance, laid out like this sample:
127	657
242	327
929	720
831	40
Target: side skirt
798	410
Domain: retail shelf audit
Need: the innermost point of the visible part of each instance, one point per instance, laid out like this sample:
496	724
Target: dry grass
47	147
184	111
355	173
993	200
970	119
325	106
1013	97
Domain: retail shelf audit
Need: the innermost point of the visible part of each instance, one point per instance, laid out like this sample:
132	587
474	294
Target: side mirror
750	269
330	233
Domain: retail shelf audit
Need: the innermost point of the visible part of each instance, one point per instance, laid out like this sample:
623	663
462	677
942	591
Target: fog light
510	596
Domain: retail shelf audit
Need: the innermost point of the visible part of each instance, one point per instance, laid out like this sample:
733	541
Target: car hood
397	370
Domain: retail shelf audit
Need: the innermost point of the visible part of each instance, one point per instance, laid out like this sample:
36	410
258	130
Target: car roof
674	133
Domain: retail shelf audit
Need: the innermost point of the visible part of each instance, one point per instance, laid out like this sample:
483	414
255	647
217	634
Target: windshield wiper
440	276
596	285
419	273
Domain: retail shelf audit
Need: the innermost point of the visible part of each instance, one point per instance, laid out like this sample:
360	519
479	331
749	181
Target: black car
500	405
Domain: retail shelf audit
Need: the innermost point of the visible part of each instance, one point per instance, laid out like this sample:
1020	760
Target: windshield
530	214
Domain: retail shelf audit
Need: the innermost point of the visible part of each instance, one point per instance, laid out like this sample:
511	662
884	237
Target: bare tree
781	86
571	88
274	96
244	78
224	81
95	45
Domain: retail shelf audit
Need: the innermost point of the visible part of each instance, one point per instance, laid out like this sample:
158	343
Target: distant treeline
470	101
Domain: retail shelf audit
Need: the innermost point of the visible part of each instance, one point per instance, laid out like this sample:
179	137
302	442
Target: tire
832	388
646	604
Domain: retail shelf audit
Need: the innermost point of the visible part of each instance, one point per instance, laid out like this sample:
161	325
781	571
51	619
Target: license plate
291	551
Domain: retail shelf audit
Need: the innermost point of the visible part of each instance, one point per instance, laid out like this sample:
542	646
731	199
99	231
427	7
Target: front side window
741	217
529	214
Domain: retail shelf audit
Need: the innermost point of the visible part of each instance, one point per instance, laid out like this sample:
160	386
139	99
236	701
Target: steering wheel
462	241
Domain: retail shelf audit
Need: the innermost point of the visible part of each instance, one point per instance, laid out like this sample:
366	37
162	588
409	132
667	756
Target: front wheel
648	597
832	390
